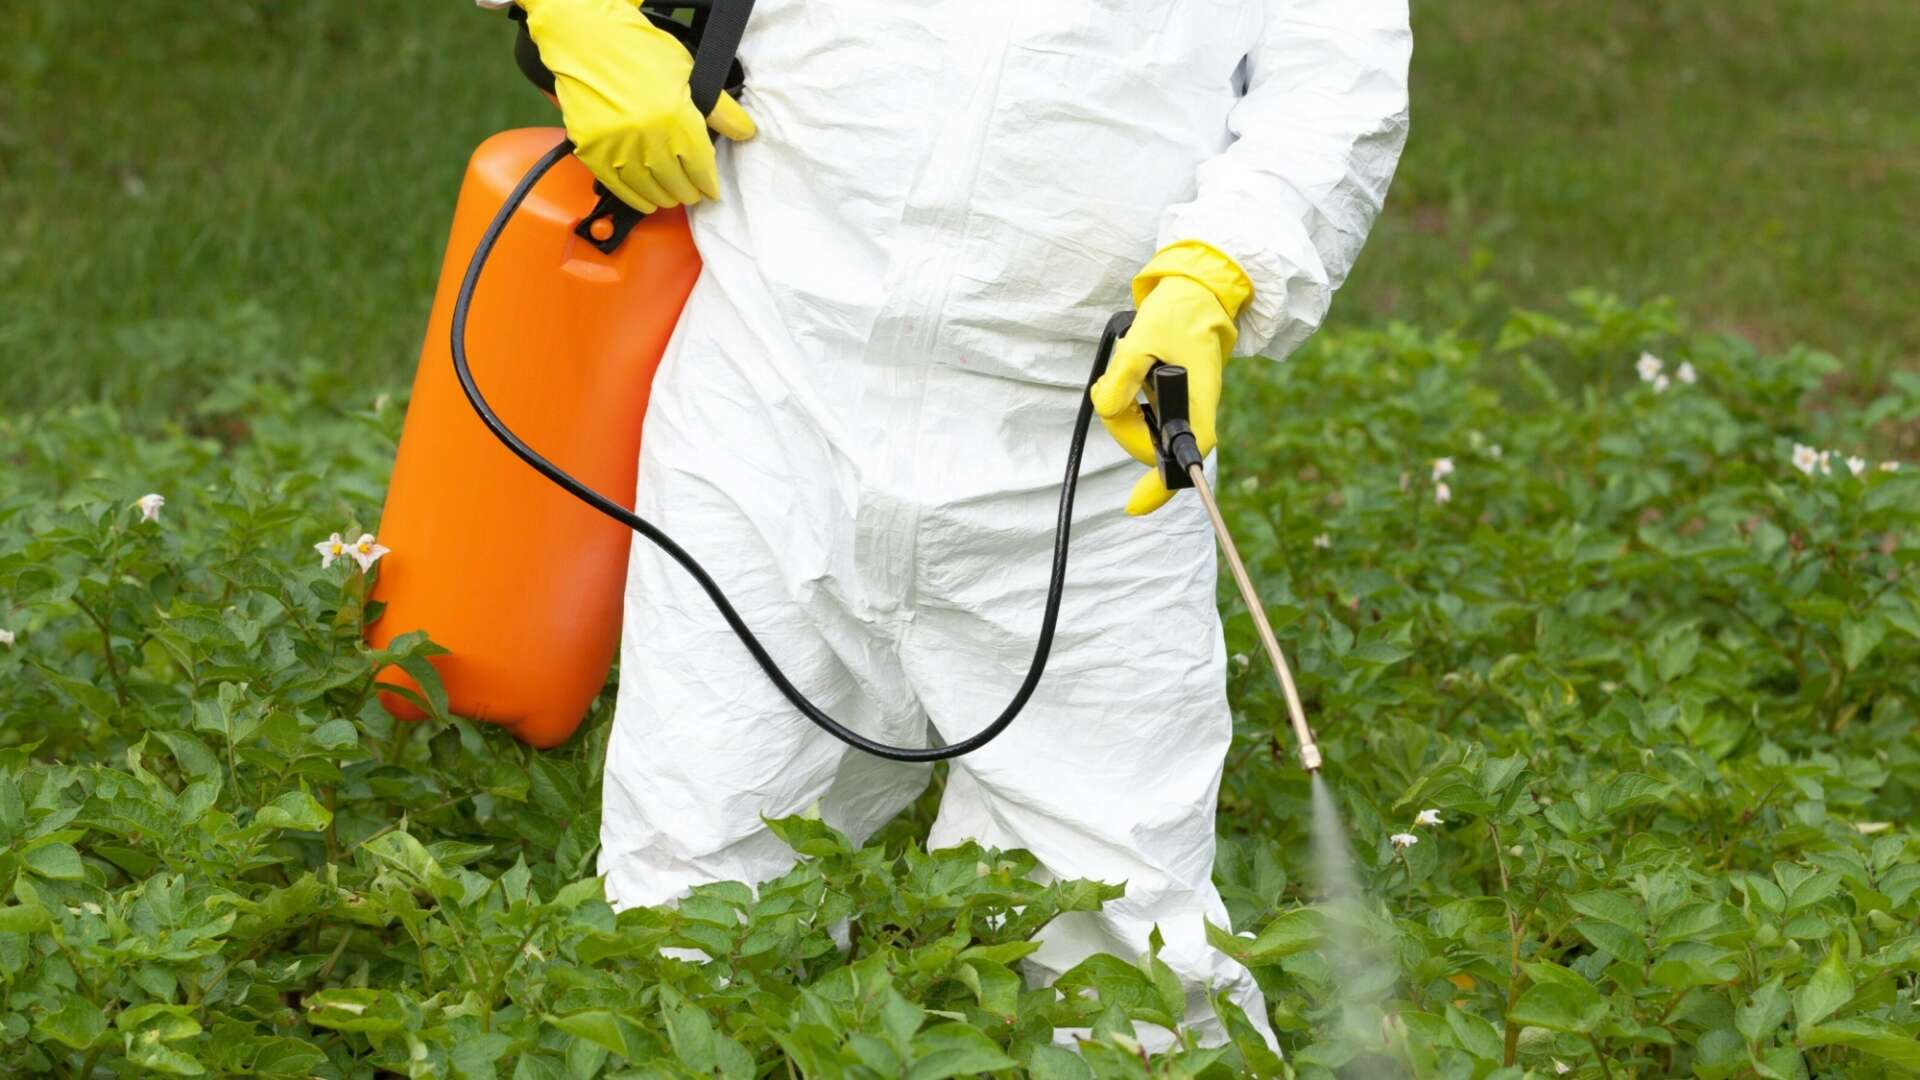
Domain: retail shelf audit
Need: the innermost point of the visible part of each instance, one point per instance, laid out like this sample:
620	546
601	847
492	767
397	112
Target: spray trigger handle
1167	417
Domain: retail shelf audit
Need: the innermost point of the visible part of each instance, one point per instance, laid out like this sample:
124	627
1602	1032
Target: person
913	231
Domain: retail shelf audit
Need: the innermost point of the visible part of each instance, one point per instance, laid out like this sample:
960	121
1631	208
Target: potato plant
1643	631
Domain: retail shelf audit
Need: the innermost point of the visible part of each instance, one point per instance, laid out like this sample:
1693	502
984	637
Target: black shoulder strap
725	24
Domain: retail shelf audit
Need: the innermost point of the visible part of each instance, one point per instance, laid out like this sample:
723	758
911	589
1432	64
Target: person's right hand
622	85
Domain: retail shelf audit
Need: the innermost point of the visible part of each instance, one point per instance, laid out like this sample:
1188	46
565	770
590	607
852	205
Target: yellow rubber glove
1186	300
622	85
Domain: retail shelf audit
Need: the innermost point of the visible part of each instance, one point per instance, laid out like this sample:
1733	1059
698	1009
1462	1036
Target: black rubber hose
1063	527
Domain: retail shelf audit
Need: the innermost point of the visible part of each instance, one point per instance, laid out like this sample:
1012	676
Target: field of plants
1608	617
1634	609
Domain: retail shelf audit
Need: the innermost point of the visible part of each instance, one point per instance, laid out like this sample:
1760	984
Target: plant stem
434	809
1606	1070
106	646
1511	1050
326	969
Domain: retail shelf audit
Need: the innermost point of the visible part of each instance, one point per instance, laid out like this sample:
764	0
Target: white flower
1686	374
1403	840
1323	541
1561	1068
1805	458
366	552
149	506
6	638
1660	384
330	549
1242	661
1442	494
1427	817
1494	451
1856	465
1649	366
1442	468
1889	466
1826	462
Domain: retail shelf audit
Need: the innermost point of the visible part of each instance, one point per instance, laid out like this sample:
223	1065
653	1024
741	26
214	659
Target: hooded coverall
861	421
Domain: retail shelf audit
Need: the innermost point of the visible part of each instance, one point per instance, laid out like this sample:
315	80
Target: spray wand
1180	467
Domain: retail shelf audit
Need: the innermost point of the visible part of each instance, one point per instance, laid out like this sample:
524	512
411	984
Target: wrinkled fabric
861	422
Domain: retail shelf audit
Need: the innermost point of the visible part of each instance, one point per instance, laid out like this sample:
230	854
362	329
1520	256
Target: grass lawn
190	187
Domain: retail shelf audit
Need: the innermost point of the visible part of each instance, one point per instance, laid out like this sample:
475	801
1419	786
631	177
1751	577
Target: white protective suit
861	424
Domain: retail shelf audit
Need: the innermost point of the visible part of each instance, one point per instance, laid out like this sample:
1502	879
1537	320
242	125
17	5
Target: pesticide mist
1361	971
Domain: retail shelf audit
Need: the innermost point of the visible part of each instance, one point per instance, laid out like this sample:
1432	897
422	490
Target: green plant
1656	680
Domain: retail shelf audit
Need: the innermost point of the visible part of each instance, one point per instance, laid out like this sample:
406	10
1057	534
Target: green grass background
191	187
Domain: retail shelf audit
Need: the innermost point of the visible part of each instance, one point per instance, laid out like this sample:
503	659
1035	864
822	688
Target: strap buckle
606	226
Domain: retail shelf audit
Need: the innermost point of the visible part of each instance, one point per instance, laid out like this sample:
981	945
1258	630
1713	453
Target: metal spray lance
1180	467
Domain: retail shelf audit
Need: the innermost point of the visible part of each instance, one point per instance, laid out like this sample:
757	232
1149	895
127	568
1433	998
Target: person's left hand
1186	298
622	87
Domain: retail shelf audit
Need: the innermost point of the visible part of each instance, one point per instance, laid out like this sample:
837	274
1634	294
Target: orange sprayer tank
519	581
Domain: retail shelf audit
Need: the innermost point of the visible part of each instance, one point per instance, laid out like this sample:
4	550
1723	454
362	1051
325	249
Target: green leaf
294	810
809	836
688	1030
1497	773
1830	987
1613	907
1057	1063
1812	889
78	1023
157	1057
1574	1008
1859	637
1379	653
1763	1013
401	851
199	797
367	1011
24	918
1719	1054
13	811
597	1026
954	1050
168	1023
1628	790
1876	1037
335	735
191	753
995	986
99	703
1290	932
1617	941
1692	922
55	861
1677	653
1475	1035
432	690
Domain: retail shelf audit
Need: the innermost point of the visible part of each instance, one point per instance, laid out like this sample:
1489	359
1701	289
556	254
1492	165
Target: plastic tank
519	581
